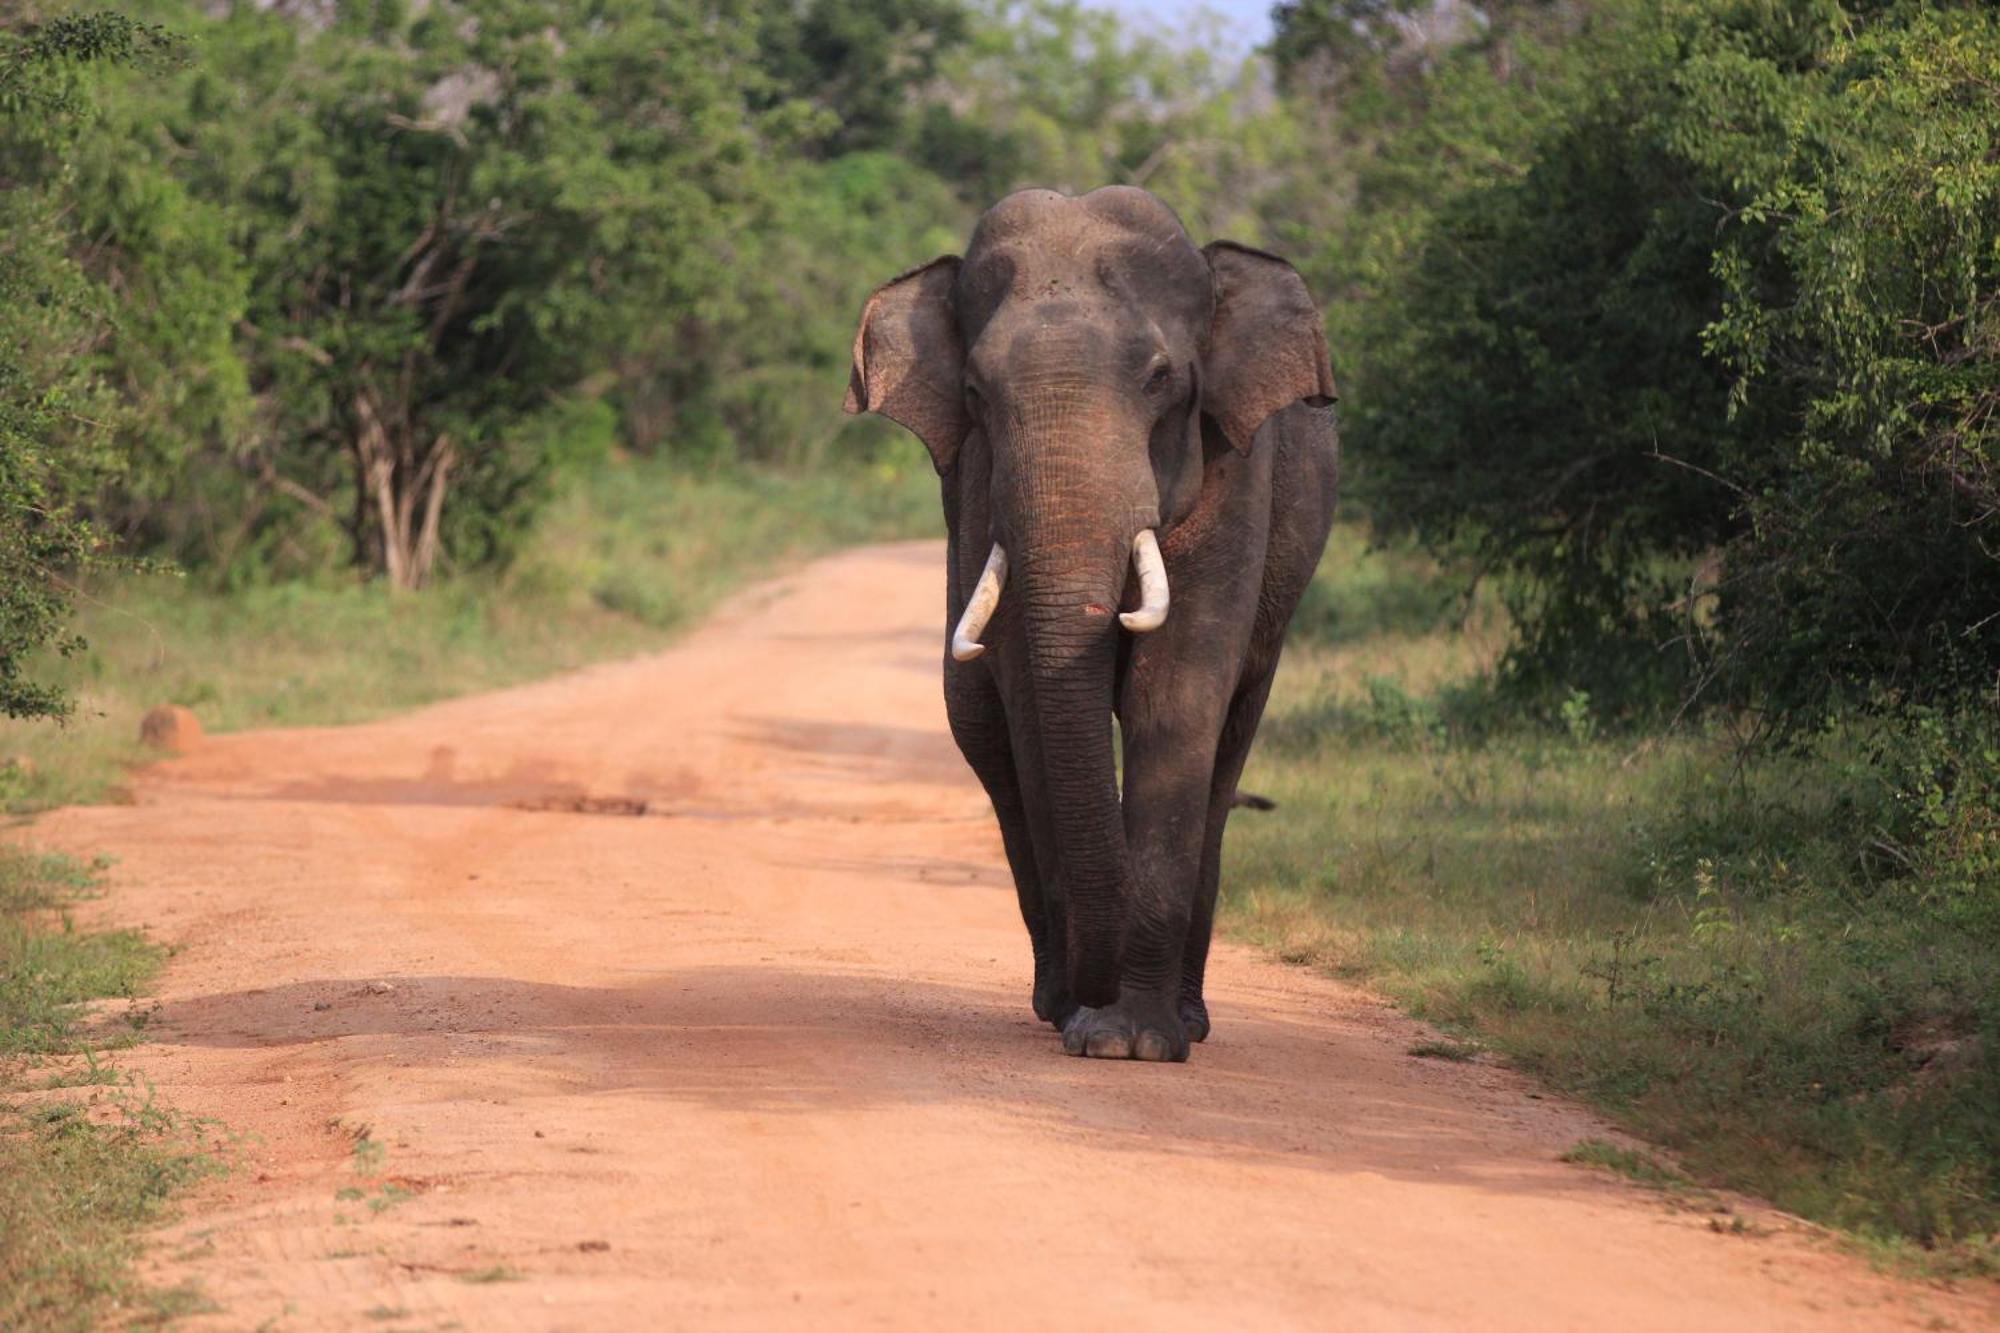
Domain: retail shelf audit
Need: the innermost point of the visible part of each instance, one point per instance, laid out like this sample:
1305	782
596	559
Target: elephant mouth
1149	615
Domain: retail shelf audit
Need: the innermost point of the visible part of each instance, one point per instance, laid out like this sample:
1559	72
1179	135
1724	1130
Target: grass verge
632	551
1686	941
79	1178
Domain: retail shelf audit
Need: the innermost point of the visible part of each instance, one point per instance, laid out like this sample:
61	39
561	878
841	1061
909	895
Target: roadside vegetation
1714	948
1672	337
1641	727
86	1160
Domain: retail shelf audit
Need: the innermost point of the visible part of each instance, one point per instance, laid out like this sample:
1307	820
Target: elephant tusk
965	644
1152	612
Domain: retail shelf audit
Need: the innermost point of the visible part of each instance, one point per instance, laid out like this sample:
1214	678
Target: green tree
56	417
1323	44
862	62
1861	282
1536	397
449	219
1681	325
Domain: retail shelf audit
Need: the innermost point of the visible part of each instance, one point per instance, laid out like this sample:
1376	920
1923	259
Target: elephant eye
972	400
1161	374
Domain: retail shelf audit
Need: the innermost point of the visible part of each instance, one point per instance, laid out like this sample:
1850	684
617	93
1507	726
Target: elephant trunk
1073	530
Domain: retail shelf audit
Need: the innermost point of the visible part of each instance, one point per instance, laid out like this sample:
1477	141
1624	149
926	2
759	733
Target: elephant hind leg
1239	729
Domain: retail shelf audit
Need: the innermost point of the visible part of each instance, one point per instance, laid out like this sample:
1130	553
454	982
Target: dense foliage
1690	334
374	261
1677	322
1862	282
53	433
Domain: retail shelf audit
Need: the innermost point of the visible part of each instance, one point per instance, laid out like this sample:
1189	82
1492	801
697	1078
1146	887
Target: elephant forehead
1111	254
1067	337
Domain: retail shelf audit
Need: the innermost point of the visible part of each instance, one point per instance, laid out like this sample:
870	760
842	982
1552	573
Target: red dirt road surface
690	993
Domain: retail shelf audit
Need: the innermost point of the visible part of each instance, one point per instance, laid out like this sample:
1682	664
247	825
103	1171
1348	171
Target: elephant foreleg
1169	774
979	725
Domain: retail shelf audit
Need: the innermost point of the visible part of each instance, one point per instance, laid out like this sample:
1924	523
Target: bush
1942	830
54	436
1704	355
1862	297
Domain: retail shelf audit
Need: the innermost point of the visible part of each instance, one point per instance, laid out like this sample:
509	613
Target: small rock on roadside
170	727
380	988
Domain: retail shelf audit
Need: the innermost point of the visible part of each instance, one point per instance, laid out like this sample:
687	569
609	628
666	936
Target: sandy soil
689	992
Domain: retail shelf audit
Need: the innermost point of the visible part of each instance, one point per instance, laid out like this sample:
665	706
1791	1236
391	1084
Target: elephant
1139	458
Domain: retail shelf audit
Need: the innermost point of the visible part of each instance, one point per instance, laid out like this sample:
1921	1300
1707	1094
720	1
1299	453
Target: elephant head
1069	362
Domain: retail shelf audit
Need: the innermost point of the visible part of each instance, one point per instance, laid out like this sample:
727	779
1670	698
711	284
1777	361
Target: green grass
1641	1168
78	1179
1685	940
1649	1172
48	967
632	551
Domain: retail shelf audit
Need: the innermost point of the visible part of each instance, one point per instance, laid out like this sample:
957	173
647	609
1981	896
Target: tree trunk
406	492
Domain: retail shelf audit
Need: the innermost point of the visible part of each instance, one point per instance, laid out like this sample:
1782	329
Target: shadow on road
1277	1087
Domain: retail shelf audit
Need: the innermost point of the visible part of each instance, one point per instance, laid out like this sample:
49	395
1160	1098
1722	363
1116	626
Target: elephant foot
1128	1030
1194	1018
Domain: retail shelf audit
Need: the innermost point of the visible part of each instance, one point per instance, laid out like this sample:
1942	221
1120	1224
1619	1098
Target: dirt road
761	1055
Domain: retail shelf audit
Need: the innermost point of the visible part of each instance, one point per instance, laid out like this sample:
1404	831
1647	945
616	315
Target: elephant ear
909	361
1266	348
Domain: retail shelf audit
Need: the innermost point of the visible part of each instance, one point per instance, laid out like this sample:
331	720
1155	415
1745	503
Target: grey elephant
1139	459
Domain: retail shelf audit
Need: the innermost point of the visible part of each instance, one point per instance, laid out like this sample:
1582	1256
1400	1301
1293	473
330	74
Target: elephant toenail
1107	1046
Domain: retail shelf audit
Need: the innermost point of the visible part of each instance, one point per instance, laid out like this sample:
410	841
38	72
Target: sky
1248	21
